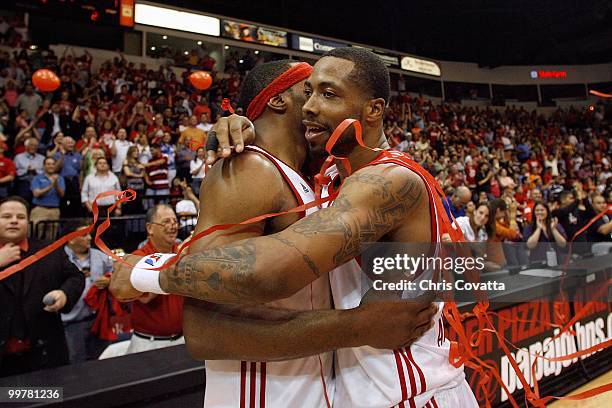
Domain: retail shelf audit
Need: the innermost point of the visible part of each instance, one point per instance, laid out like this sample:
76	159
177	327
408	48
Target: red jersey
163	316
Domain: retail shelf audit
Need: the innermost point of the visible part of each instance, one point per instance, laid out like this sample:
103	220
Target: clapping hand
540	224
553	223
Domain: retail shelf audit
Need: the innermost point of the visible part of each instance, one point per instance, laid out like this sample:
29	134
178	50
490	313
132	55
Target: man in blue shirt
48	189
455	205
523	151
69	167
94	264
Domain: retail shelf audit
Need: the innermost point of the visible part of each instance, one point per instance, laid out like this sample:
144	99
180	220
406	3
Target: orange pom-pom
45	80
201	80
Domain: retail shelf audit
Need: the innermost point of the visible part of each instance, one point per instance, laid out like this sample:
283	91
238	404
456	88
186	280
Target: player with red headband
387	197
242	345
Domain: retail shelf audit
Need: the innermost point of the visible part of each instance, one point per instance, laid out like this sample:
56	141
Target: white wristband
143	278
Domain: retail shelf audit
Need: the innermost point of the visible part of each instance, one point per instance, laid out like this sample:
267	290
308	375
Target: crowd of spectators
514	175
121	126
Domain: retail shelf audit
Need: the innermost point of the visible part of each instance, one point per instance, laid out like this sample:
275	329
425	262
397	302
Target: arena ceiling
491	33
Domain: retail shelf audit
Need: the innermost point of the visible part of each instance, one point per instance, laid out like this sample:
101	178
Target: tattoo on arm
380	219
201	275
311	264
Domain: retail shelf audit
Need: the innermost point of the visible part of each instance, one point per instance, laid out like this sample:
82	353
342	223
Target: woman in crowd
90	157
144	151
474	226
168	150
57	142
134	174
502	227
505	180
198	170
544	233
483	178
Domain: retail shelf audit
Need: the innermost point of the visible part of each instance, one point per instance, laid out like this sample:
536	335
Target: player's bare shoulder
387	183
247	164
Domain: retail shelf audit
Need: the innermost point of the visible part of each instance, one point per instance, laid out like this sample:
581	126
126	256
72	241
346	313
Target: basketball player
387	198
265	178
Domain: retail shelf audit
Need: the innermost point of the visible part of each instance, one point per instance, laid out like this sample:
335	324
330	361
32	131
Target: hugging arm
372	202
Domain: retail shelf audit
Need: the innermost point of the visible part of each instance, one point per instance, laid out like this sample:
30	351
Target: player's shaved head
369	71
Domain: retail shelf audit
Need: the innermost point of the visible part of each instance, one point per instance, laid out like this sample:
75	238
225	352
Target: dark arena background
504	104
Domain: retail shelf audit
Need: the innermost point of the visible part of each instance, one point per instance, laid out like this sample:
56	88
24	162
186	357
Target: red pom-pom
45	80
201	80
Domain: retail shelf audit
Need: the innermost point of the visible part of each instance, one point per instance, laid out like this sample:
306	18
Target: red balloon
201	80
45	80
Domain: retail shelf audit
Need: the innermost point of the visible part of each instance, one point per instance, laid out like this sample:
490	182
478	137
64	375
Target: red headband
284	81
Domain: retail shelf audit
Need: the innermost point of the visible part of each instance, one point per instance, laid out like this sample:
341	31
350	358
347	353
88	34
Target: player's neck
361	156
280	144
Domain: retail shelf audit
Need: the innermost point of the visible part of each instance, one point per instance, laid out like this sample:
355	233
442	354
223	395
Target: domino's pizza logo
534	74
152	259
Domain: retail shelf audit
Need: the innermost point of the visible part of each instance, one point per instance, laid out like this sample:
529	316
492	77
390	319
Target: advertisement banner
315	45
390	60
421	66
253	33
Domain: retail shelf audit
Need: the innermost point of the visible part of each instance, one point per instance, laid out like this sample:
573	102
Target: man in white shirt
204	124
27	165
100	182
119	149
197	167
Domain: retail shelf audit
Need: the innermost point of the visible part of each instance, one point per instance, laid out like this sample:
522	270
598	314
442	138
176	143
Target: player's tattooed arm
372	203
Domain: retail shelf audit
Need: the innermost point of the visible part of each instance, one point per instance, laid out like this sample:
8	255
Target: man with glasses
158	319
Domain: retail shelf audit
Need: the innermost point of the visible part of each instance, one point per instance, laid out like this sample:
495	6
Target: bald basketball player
243	344
387	198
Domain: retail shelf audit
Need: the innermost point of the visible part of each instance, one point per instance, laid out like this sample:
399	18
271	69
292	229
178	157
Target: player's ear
374	110
277	103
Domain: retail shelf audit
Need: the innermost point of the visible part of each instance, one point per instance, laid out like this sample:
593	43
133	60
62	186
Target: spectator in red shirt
158	319
7	172
535	196
202	107
156	176
156	131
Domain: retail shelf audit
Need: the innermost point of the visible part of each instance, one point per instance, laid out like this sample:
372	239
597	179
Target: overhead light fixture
153	48
199	42
186	53
33	47
256	52
165	37
226	47
176	20
241	61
